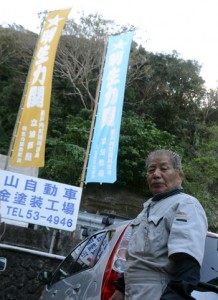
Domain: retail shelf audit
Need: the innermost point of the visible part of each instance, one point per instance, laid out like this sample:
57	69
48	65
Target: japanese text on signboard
38	201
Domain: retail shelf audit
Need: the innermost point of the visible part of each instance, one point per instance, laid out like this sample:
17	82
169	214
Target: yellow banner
29	145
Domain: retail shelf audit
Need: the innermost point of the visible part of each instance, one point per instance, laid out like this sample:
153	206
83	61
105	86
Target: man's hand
117	296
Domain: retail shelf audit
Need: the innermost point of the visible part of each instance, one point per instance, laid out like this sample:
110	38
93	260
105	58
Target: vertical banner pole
93	116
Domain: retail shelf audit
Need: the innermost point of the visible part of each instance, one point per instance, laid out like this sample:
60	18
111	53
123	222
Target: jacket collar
161	196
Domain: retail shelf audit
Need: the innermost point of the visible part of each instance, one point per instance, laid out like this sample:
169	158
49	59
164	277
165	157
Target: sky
188	26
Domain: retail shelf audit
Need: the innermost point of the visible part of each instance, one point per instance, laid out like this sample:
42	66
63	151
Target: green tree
137	138
169	94
209	107
202	176
65	151
16	49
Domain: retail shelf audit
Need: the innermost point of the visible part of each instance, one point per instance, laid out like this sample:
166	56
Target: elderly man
166	248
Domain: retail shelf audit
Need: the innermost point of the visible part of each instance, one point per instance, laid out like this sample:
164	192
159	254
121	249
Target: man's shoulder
187	197
175	200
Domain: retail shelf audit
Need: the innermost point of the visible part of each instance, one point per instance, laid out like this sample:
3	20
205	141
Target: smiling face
162	176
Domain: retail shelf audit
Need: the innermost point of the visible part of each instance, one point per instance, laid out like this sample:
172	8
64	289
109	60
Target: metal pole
93	116
52	241
35	252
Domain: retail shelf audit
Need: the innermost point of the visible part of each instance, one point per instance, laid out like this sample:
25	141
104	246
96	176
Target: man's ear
181	175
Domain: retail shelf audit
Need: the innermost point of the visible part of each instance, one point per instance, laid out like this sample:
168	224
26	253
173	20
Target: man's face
161	175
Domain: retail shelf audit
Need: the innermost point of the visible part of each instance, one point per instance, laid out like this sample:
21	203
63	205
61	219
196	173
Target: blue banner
102	164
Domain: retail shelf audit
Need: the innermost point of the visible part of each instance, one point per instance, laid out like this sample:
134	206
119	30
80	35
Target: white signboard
39	201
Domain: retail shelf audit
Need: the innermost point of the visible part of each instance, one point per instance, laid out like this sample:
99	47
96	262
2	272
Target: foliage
16	49
202	176
209	104
137	138
65	152
168	93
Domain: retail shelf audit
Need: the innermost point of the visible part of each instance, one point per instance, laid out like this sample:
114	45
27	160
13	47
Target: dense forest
166	105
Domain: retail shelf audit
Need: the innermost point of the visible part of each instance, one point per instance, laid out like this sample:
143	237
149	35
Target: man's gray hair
175	158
